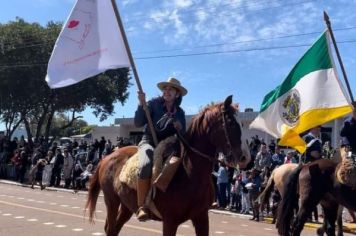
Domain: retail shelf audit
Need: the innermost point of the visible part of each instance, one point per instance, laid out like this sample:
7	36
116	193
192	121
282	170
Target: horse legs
330	215
201	224
123	216
339	221
309	199
169	228
112	206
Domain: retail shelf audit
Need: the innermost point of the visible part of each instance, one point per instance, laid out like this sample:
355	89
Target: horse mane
203	121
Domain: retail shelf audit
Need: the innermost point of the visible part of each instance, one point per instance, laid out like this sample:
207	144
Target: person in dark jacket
314	145
57	163
349	130
160	108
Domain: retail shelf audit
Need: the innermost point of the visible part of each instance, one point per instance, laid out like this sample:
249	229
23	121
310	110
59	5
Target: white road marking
224	222
75	207
244	225
267	228
40	201
99	211
30	200
19	217
64	205
77	230
79	216
7	214
97	233
32	219
48	223
219	232
20	198
2	195
61	226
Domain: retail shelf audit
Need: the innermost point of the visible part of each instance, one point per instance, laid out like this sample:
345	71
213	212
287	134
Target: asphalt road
28	212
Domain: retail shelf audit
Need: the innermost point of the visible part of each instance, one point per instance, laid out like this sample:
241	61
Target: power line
215	44
234	51
191	54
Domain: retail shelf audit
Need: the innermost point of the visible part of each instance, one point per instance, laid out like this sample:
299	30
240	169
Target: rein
226	134
196	151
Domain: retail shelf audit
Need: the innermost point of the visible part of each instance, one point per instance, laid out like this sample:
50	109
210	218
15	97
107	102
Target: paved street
28	212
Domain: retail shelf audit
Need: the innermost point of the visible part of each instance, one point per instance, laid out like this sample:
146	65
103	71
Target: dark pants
255	205
222	194
55	178
236	201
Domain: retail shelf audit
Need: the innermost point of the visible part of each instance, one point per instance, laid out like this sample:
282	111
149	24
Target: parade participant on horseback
161	109
314	145
349	130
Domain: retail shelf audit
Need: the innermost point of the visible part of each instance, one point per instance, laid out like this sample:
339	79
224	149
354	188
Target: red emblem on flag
73	24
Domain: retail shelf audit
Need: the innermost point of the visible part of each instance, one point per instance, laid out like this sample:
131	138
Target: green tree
25	49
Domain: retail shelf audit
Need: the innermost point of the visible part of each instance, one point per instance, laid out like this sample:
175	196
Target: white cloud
183	3
128	2
196	22
181	30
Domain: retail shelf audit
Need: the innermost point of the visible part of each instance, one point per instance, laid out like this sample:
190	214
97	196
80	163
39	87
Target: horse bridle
196	151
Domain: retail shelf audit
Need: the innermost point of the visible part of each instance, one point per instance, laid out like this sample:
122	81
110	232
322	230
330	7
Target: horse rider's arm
140	116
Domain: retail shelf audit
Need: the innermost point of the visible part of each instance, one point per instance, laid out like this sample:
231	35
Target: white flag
90	43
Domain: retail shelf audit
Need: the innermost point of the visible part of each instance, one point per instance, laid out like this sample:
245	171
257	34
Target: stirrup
142	214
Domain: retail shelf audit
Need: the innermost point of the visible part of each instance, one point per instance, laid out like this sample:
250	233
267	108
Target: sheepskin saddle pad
167	148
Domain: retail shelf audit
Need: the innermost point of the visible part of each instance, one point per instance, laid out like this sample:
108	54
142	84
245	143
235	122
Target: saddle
167	149
346	170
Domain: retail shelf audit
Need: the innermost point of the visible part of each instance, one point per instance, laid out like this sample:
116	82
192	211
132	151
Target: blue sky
250	45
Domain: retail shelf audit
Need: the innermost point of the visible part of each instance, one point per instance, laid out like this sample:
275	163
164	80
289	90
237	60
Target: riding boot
167	174
143	187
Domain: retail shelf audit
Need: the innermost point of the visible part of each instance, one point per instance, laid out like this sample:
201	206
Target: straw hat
173	82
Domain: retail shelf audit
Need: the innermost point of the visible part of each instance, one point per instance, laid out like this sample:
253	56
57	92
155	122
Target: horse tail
266	193
93	193
288	203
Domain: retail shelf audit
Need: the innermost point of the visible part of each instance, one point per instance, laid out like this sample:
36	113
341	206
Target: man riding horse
161	109
349	130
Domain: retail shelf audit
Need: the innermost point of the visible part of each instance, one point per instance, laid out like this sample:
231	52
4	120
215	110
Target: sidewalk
348	227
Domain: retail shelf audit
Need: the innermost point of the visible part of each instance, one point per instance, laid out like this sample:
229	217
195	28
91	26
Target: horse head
219	124
234	145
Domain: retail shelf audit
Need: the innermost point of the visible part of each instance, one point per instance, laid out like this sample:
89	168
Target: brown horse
315	182
190	194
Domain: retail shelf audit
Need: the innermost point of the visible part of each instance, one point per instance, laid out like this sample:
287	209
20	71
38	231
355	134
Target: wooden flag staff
328	24
145	108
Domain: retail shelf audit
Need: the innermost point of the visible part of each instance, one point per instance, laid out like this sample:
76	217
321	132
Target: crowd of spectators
71	165
238	190
48	164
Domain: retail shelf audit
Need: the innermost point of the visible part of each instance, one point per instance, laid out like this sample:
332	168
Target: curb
347	227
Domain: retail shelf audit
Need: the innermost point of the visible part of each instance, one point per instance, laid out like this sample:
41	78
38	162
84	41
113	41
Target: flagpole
328	24
145	108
